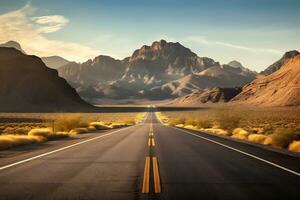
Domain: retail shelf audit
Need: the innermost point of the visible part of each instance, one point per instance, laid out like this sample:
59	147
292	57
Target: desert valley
107	113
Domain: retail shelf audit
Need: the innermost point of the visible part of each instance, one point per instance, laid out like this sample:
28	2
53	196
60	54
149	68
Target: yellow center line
145	188
157	187
153	142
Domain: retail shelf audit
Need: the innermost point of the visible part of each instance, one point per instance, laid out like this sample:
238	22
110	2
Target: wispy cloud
205	41
51	23
31	32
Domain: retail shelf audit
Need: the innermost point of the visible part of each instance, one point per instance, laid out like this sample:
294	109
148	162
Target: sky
254	32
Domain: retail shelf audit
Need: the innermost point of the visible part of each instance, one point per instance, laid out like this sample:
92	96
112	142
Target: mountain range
160	71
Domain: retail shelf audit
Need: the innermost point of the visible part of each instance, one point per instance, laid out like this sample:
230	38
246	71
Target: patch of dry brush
278	127
55	126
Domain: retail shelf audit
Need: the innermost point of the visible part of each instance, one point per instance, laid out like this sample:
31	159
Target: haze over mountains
160	71
27	84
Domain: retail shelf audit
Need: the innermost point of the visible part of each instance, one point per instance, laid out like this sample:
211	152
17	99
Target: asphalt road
148	161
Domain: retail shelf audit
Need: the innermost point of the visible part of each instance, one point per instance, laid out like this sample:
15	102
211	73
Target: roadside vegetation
21	129
277	127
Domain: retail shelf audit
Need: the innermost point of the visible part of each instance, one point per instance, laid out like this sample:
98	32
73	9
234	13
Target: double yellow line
156	178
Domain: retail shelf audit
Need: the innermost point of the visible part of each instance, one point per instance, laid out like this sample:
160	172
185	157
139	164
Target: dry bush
240	133
217	131
177	121
229	123
48	134
294	146
190	122
67	122
42	132
282	137
8	141
258	138
99	125
203	123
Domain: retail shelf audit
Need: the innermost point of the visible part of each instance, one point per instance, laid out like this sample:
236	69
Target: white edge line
242	152
61	149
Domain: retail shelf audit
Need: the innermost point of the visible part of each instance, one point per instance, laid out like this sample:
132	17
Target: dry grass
8	141
295	146
282	137
278	127
36	127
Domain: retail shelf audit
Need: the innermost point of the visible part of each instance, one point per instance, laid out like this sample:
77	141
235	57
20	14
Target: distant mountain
54	62
278	64
163	62
281	88
216	76
13	44
28	85
159	71
100	69
212	95
237	64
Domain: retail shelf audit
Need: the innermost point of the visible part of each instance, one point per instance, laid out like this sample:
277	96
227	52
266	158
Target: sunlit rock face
278	64
281	88
27	84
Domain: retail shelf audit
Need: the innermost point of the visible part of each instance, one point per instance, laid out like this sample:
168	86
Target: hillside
281	88
28	85
214	95
278	64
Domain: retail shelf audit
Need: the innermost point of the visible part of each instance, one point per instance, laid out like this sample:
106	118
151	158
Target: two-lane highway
151	161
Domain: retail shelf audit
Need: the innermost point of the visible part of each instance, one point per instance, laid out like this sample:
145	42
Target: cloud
51	23
31	32
205	41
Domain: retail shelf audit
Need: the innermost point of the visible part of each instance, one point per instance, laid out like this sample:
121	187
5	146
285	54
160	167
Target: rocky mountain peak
278	64
160	49
235	64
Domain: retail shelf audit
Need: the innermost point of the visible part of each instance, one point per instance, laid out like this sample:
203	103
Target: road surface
148	161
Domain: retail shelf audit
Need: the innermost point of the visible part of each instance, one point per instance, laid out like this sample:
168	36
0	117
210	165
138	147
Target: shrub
295	146
229	122
258	138
7	141
240	134
177	121
99	125
42	132
191	122
282	137
218	131
67	122
203	123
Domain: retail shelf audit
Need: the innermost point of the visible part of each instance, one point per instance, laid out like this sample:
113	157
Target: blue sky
254	32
